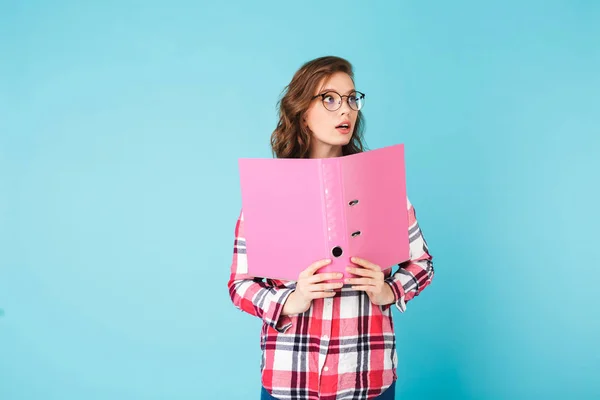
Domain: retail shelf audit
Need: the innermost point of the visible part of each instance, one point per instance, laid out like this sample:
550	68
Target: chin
337	140
344	140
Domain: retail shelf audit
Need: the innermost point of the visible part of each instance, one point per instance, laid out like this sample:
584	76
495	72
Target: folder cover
298	211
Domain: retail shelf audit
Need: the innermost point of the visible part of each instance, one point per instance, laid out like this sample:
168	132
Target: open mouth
343	128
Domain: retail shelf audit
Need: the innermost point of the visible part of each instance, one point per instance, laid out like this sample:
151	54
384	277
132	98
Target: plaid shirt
342	347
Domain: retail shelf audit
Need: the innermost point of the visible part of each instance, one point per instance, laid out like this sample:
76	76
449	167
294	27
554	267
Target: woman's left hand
370	280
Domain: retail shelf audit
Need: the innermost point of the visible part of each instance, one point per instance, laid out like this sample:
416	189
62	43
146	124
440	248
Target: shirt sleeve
256	296
415	274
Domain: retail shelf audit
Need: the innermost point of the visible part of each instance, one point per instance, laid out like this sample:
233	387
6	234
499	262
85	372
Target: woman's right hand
310	286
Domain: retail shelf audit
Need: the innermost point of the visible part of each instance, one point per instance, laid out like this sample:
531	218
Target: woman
327	340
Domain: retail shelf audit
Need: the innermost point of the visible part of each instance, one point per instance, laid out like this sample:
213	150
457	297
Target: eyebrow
333	90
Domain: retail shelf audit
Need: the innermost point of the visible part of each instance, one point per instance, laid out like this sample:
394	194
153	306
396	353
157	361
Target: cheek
318	121
311	118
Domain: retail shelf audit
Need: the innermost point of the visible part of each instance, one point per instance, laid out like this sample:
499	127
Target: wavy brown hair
291	139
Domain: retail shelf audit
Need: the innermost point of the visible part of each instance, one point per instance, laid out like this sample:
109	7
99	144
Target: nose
345	108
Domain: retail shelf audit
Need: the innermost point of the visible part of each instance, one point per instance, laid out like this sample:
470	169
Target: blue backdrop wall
120	128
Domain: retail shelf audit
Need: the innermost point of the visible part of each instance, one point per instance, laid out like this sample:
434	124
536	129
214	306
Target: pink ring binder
298	211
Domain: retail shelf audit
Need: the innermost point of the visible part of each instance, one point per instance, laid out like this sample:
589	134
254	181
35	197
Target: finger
362	272
365	263
364	288
324	277
361	281
322	295
314	267
325	286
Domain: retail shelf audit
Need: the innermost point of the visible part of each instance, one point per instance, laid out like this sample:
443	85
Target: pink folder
298	211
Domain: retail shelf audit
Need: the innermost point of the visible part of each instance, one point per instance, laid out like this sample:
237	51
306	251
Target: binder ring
337	251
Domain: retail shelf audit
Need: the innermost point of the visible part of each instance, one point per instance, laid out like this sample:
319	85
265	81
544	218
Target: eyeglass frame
347	96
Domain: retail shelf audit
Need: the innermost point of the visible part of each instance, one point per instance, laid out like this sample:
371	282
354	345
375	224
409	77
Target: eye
329	99
356	100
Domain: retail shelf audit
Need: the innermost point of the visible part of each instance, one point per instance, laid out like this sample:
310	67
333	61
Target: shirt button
326	369
325	337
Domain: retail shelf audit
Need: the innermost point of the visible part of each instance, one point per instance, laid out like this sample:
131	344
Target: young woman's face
327	127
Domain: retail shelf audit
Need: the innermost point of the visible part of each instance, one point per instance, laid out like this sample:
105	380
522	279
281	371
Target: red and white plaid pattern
342	347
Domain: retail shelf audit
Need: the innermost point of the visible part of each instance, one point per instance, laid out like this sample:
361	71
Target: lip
344	130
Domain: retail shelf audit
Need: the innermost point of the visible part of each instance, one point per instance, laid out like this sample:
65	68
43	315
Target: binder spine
335	218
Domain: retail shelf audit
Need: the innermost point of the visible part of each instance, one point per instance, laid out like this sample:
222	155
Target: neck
325	151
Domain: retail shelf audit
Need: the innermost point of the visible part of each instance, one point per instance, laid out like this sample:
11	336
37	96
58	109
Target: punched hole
353	203
337	251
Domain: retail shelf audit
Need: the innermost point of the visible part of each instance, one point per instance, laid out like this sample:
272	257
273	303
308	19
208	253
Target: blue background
120	129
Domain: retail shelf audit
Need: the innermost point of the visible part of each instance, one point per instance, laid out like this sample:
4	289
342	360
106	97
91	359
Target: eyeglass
333	100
